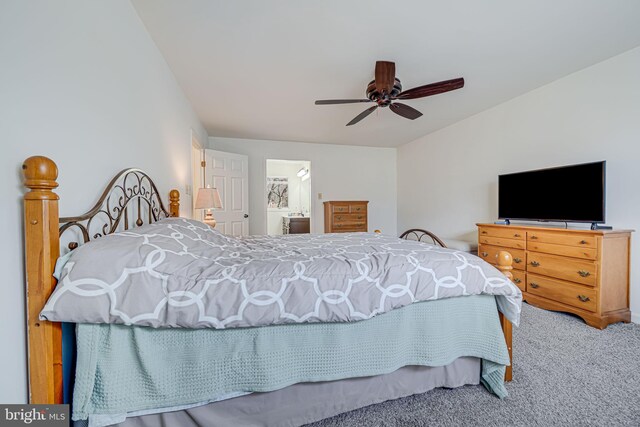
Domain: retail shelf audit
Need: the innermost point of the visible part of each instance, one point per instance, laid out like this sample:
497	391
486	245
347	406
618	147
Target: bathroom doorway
288	196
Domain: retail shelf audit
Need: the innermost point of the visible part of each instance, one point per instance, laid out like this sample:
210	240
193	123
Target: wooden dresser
583	272
345	216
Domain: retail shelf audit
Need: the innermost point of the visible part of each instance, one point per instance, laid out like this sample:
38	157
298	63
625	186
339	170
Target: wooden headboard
130	199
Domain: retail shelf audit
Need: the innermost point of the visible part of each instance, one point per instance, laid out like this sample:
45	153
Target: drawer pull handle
535	264
484	232
534	237
517	260
583	298
516	280
584	273
583	242
516	235
485	254
534	285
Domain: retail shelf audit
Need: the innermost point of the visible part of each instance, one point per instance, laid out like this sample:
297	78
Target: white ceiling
253	68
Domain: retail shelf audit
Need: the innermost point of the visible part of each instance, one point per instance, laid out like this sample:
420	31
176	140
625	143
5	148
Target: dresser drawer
359	208
562	238
503	232
572	251
500	241
488	253
349	217
520	279
558	290
349	226
340	208
563	268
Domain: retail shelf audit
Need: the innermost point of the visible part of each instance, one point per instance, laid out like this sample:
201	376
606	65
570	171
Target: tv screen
570	193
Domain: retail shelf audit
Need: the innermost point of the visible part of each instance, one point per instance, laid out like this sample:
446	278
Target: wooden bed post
174	203
42	248
505	261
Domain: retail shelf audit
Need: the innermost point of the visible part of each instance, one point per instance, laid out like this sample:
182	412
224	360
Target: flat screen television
573	193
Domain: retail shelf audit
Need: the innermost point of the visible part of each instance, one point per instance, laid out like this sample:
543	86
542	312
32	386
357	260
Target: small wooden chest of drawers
345	216
584	272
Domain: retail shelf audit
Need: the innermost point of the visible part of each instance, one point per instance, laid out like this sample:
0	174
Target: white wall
447	181
84	84
340	172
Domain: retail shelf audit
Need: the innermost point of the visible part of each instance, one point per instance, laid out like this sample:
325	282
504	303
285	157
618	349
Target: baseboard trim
635	317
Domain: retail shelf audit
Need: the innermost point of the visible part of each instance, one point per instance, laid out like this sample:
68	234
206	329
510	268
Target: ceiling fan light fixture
386	88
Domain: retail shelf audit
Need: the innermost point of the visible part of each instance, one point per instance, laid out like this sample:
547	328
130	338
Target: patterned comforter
181	273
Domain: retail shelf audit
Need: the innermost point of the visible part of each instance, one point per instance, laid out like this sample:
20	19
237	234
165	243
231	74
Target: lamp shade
208	198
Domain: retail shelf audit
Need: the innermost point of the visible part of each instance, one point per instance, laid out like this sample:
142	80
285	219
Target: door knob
246	215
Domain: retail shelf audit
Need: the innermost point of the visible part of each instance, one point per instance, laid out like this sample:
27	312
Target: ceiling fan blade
362	115
405	111
340	101
385	76
431	89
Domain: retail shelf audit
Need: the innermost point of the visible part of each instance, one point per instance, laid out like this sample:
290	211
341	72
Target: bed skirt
309	402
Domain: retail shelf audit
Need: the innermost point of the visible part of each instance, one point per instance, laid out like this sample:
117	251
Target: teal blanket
129	368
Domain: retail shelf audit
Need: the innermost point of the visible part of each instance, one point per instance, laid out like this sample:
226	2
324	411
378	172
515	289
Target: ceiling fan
386	89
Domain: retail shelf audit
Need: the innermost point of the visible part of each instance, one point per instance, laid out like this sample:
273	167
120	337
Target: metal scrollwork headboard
418	233
130	199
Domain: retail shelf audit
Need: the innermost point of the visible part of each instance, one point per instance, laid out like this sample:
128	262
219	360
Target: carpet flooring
565	374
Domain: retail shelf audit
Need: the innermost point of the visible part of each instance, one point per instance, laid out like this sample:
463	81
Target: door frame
312	202
197	155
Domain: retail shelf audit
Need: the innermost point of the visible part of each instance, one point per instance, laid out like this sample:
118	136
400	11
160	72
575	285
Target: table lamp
208	198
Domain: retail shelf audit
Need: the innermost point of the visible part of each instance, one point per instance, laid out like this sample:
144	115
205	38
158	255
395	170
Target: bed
176	363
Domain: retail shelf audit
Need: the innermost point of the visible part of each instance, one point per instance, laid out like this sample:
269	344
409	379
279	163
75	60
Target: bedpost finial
174	203
505	263
40	174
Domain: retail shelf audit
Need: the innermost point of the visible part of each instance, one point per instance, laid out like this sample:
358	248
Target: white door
229	173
